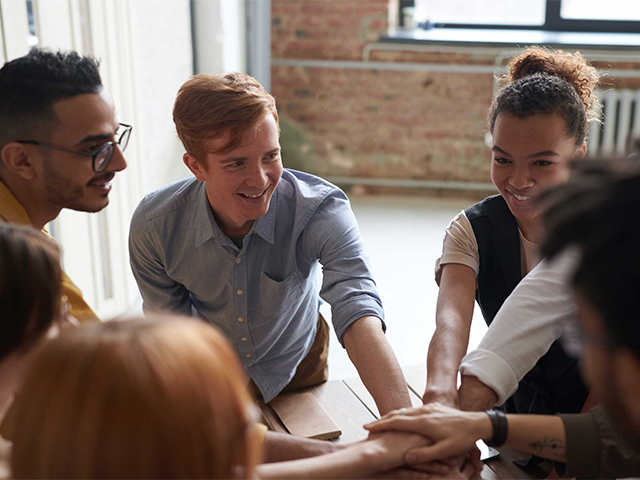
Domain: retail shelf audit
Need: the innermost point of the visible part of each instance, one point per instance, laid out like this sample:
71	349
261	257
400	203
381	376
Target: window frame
553	22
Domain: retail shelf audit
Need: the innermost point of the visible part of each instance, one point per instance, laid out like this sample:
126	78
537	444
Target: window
553	15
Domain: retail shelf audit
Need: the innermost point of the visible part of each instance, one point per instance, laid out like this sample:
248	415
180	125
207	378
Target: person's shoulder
307	190
484	207
170	200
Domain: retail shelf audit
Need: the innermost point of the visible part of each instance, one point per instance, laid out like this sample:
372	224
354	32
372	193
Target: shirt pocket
279	300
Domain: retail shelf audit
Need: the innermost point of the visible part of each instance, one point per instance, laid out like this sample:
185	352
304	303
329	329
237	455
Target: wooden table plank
345	409
360	391
271	419
505	469
416	377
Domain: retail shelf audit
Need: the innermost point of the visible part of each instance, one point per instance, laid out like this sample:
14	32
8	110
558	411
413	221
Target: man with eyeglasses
60	144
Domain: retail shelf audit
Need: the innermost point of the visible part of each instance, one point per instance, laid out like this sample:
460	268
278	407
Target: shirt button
248	355
239	292
240	319
238	260
244	339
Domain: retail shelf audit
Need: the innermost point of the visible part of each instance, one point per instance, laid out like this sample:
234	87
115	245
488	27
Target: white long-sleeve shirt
526	326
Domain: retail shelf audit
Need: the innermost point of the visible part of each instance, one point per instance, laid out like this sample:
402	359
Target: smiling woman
538	123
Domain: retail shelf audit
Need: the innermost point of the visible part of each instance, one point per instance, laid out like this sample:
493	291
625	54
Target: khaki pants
314	368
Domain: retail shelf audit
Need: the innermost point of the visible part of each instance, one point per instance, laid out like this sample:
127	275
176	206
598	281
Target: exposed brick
380	123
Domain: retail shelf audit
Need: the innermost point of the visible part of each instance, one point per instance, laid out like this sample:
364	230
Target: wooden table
350	406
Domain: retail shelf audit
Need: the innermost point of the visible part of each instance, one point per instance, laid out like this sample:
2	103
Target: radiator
620	122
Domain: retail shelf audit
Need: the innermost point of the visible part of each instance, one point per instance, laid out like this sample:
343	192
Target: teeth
521	197
253	196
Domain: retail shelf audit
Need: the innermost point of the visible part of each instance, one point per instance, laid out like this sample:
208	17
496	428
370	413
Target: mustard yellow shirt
12	211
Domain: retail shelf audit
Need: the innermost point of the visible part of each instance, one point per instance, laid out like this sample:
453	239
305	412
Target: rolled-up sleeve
333	237
524	329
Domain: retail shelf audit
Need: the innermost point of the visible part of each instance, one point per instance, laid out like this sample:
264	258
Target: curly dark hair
30	85
594	212
541	81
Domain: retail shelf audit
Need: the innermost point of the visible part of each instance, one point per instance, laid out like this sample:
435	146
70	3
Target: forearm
351	462
454	312
280	447
376	363
541	435
475	395
447	347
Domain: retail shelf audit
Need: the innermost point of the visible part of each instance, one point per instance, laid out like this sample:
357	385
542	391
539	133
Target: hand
387	450
453	432
444	397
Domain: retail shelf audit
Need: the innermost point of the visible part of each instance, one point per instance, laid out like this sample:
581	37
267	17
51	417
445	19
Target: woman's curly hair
542	81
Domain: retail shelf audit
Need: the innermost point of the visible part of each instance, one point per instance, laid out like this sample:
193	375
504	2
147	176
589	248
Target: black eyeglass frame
105	149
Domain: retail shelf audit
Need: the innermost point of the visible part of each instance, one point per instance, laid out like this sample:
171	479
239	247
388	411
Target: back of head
210	106
30	85
30	286
596	212
541	81
146	398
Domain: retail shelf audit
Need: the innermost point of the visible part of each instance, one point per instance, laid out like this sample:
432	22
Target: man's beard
63	192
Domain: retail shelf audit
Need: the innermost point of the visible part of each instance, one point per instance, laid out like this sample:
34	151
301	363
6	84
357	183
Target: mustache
107	177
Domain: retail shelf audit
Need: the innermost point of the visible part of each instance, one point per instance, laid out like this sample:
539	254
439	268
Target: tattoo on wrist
549	443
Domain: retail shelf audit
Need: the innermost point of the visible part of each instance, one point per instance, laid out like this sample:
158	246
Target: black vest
554	384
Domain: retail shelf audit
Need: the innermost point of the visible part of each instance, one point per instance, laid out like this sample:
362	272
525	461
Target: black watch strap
500	428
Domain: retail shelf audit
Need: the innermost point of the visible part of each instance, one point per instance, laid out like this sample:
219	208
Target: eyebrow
93	138
100	136
238	159
545	153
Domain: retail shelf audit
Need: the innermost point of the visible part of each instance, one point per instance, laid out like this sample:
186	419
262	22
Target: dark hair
596	212
30	286
547	82
30	85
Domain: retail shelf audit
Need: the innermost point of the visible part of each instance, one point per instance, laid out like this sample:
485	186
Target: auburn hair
160	397
542	81
210	106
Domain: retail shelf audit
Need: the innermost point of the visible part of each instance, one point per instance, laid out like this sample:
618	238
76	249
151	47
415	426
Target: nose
257	176
520	178
117	162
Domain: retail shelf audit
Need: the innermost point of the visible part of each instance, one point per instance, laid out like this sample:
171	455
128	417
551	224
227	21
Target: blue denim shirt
265	296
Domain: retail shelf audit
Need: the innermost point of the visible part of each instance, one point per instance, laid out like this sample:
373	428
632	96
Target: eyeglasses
101	156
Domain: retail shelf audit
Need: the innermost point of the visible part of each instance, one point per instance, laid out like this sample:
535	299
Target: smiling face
240	183
68	181
530	155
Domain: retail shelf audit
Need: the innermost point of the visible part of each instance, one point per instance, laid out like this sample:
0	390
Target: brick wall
376	122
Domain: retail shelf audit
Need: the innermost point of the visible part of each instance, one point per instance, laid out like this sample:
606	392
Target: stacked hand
451	431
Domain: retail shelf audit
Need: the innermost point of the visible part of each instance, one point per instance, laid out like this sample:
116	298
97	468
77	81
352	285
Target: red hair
209	106
146	398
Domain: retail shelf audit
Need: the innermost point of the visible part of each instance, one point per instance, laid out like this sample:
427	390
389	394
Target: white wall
162	59
220	36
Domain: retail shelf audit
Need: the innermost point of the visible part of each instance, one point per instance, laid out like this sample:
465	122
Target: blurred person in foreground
161	397
594	239
30	304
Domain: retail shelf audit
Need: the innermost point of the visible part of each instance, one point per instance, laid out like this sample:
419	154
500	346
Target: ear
194	166
15	157
581	151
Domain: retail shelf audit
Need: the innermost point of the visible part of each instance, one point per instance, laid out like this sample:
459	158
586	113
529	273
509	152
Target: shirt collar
207	227
11	210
